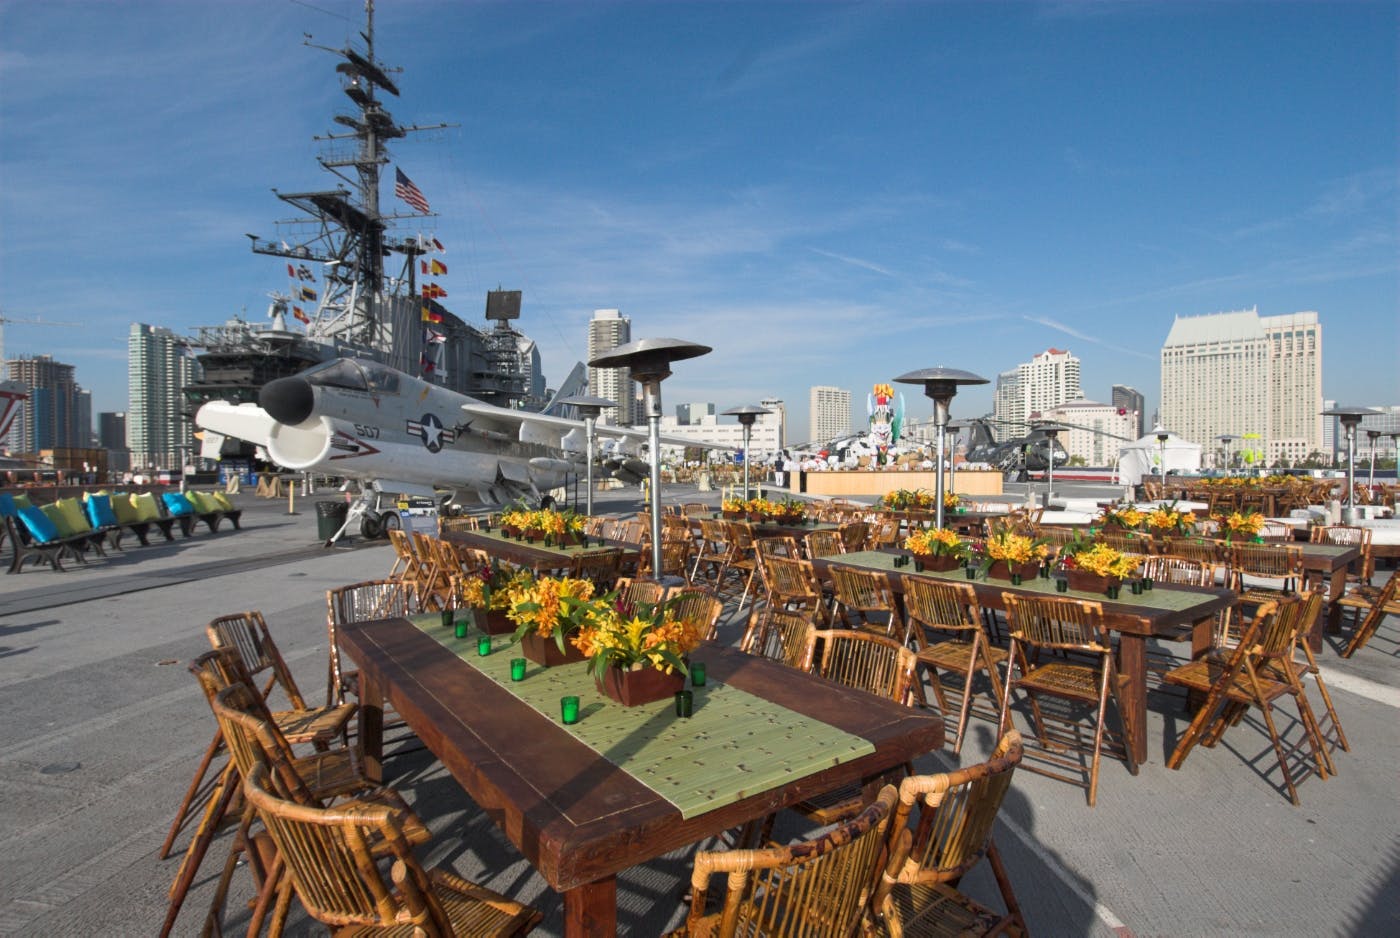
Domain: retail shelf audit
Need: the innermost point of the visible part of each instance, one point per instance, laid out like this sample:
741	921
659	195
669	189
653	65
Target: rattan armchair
918	893
697	606
1044	625
817	887
345	884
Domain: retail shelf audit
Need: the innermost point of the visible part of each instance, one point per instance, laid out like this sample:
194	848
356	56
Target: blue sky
826	193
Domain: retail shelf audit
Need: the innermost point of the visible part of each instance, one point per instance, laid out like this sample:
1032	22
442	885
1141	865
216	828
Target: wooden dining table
1164	612
534	554
580	810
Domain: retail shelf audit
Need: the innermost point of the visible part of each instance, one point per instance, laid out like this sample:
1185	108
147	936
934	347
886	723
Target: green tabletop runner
1158	598
570	551
736	744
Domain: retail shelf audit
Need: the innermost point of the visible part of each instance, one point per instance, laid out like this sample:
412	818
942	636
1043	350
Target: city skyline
827	194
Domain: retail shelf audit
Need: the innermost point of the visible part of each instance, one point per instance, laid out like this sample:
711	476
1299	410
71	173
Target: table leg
1335	587
590	910
371	729
1132	667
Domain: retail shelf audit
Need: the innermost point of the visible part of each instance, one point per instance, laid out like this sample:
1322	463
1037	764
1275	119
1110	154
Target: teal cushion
99	511
177	504
40	526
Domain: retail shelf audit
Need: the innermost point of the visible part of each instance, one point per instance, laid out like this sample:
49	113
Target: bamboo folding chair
785	638
247	635
633	592
878	665
853	535
1280	566
815	887
359	602
697	606
1204	550
1307	609
1038	625
792	583
918	893
1257	673
1362	569
713	553
344	883
312	781
743	560
823	544
599	567
1370	606
867	593
936	606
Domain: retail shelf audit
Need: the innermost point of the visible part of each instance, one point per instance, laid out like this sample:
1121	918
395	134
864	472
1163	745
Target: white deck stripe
1340	680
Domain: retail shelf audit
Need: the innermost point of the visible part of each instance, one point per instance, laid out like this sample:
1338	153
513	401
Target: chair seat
413	828
936	909
957	656
472	910
330	774
320	724
1201	675
1078	681
832	806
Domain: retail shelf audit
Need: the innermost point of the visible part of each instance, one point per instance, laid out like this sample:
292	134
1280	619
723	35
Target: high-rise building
1132	401
1385	423
158	432
687	414
779	409
1047	380
58	413
111	436
1254	377
1096	431
606	331
829	413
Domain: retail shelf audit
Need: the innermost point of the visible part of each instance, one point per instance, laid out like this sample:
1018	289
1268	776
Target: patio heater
649	361
1351	419
747	414
1051	431
588	407
1373	435
1225	440
941	385
1162	437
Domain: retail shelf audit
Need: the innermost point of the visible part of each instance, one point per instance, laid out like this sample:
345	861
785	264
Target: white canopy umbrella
1144	457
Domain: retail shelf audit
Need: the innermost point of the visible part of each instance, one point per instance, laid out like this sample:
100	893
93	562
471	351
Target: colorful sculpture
886	415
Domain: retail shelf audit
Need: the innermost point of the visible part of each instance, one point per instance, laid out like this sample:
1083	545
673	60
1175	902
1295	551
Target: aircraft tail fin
575	383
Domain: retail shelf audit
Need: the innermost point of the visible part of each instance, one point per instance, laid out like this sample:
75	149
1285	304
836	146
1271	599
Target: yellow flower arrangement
649	637
1169	518
1240	523
1122	516
548	521
733	505
950	499
493	587
1014	548
936	542
1103	560
552	606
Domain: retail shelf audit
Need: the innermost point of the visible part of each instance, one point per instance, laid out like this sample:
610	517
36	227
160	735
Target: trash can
330	517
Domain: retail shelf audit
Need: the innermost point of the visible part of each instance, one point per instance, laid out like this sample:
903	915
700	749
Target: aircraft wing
541	424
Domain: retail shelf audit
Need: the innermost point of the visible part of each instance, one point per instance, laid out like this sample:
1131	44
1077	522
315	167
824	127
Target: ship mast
344	229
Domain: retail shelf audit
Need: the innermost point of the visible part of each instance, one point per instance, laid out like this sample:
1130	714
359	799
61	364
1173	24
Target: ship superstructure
353	289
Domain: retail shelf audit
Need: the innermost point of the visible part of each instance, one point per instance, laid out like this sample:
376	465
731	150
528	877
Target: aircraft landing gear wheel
390	521
547	501
370	528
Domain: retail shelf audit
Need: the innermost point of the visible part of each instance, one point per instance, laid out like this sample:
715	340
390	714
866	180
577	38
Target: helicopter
1016	457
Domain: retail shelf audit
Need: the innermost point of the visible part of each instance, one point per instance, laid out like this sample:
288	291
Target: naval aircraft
399	435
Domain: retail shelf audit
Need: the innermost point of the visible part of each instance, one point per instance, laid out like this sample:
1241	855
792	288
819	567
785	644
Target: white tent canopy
1144	457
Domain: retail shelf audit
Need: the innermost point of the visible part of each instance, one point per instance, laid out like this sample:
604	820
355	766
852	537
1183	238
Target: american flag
406	190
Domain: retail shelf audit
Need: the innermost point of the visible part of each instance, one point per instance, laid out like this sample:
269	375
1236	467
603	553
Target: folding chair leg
199	846
191	795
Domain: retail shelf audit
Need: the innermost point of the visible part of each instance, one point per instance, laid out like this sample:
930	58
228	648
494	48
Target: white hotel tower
1246	375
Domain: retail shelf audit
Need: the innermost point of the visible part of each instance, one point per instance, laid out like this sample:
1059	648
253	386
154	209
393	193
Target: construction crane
4	364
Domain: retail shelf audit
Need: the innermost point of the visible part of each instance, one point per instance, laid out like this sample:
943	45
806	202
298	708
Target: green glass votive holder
1015	579
970	572
517	669
1135	587
483	645
1045	571
568	710
1147	583
447	616
685	703
1112	592
1062	586
697	673
461	630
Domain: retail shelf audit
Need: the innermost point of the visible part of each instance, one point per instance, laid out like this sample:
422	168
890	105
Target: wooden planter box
545	650
1086	582
647	685
1002	570
493	621
937	562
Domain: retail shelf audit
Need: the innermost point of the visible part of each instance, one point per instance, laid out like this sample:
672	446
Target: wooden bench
27	547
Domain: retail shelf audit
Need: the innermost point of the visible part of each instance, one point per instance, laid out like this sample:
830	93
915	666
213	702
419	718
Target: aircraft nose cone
287	400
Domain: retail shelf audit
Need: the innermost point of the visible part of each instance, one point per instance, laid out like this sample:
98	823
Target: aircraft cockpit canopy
354	374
